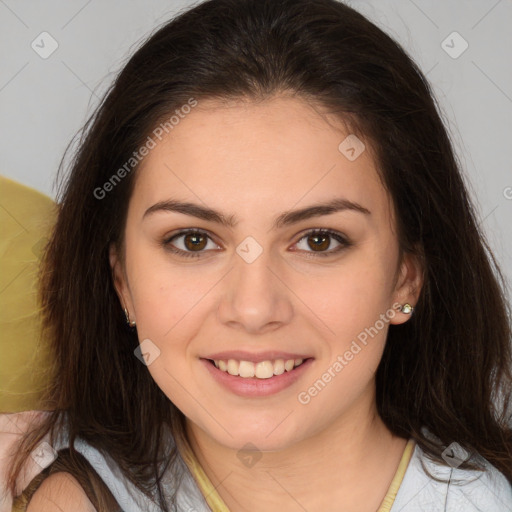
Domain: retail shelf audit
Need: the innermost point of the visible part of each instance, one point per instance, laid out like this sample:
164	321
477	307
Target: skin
256	161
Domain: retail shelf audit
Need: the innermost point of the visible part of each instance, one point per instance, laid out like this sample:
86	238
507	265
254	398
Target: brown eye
190	243
194	241
319	241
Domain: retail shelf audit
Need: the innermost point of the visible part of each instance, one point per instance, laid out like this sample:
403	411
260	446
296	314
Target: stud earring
406	308
128	321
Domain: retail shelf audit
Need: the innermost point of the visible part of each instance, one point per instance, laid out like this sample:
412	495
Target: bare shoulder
60	492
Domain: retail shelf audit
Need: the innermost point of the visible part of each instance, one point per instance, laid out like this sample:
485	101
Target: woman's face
250	288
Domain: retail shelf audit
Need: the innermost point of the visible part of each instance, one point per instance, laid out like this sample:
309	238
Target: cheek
352	356
170	311
341	300
352	307
349	298
166	297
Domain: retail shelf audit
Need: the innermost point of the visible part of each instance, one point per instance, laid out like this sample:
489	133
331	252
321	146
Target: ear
408	285
120	281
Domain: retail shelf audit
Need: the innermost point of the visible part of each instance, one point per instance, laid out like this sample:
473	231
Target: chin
264	436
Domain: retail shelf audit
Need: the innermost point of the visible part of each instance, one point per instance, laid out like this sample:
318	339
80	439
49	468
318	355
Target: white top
129	498
463	491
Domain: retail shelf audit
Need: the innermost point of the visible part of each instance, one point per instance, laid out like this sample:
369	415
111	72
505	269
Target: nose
254	296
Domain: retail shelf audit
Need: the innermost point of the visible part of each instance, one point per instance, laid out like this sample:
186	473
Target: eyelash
345	243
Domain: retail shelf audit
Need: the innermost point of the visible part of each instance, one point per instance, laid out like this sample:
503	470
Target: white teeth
246	369
278	367
289	364
262	370
233	367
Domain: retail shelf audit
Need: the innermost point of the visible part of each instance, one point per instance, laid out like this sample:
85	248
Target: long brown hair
447	369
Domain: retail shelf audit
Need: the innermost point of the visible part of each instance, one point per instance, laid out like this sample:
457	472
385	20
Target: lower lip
252	386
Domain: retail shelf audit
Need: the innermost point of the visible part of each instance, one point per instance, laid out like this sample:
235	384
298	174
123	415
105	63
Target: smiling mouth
261	370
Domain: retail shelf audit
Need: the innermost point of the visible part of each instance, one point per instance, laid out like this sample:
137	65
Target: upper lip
242	355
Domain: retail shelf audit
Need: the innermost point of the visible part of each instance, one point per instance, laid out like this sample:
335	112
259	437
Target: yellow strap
216	504
388	500
207	489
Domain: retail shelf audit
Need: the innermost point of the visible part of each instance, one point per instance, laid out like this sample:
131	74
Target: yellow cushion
26	218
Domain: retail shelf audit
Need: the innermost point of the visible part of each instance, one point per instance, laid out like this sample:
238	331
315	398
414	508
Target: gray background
43	102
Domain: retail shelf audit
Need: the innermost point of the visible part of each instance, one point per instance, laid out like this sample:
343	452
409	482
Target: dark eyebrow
284	219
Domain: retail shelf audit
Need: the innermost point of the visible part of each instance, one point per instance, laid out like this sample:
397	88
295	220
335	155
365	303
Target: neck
334	459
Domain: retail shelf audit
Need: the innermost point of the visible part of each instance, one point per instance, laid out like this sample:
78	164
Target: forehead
274	154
